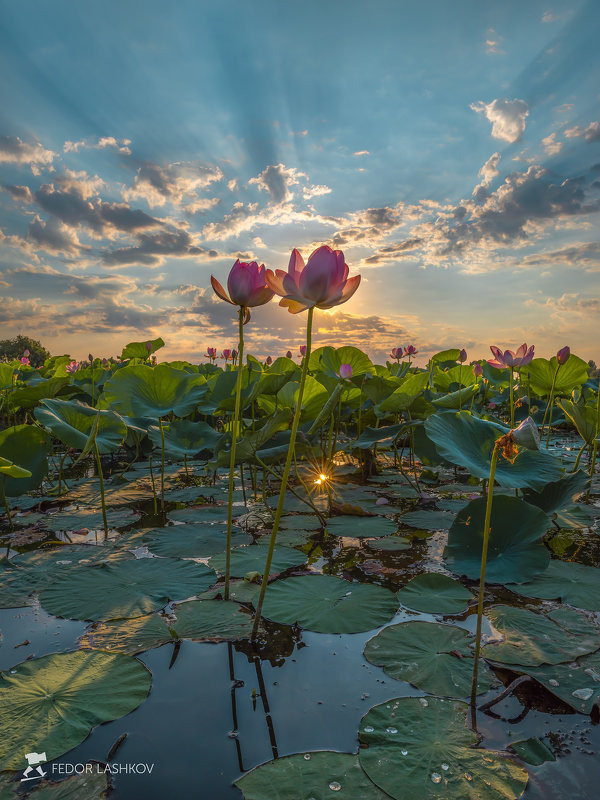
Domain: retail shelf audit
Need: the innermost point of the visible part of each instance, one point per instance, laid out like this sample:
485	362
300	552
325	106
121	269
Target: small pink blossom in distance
563	355
302	350
462	357
492	405
345	372
72	366
288	354
246	286
24	360
211	352
226	354
322	282
26	353
505	359
411	350
477	370
396	353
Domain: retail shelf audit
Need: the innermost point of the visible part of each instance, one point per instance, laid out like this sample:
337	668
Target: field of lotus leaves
306	577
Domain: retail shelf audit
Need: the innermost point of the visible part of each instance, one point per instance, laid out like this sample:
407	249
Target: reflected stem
234	433
101	477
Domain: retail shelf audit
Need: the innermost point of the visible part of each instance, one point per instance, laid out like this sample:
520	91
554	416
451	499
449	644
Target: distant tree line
13	349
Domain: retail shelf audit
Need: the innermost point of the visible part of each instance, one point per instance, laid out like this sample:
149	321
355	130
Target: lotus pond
336	658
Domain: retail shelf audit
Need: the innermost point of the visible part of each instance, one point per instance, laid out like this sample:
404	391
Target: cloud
152	248
53	236
487	173
492	43
315	191
121	145
582	254
548	16
14	150
276	179
551	146
507	117
361	153
591	132
176	183
22	193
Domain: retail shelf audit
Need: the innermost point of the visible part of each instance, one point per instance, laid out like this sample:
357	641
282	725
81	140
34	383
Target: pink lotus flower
26	353
508	359
345	372
462	356
246	285
563	355
24	360
478	370
288	354
397	353
72	366
322	282
226	354
411	350
211	352
302	350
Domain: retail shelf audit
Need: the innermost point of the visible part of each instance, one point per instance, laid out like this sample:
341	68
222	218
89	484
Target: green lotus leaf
92	520
584	417
557	495
293	503
309	776
577	684
27	446
533	751
300	522
532	639
428	520
55	701
124	588
211	621
30	396
468	442
193	540
570	375
457	399
515	549
206	513
434	593
326	604
141	349
360	527
459	374
392	544
328	361
185	438
254	557
12	470
383	436
572	583
407	392
313	399
130	636
433	657
142	391
422	749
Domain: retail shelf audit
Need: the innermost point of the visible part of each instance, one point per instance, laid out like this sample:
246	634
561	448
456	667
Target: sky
451	150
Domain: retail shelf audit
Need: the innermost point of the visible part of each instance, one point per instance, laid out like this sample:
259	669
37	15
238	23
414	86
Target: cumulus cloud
487	173
152	248
507	117
53	236
591	132
14	150
276	180
22	193
177	183
121	145
315	191
551	146
361	153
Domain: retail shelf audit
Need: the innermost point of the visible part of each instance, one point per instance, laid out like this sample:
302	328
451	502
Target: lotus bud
148	346
527	435
462	357
26	353
478	370
268	361
288	354
302	350
563	355
345	372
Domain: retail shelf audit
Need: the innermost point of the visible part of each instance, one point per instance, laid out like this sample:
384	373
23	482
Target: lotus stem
5	502
153	487
286	472
162	466
595	450
549	407
486	536
234	432
512	404
579	454
101	477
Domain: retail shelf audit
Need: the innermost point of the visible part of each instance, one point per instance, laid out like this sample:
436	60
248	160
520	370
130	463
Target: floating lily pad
56	700
515	550
572	583
309	776
240	590
131	636
124	588
300	522
533	639
577	683
360	527
193	540
208	513
533	751
254	557
433	657
421	749
211	621
92	520
326	604
393	544
428	520
292	503
433	593
291	538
